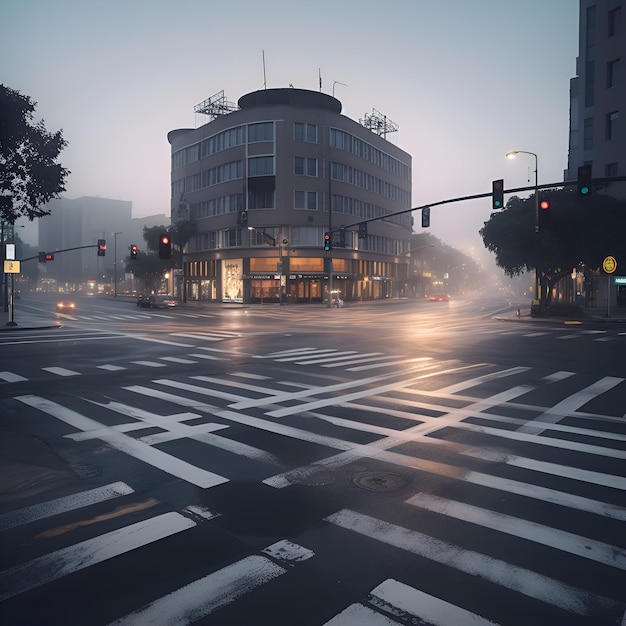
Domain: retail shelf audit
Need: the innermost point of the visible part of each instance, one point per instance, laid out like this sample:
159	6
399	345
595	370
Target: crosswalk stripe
55	565
205	595
60	371
532	531
553	469
425	607
10	377
361	615
111	368
122	442
519	579
177	359
72	502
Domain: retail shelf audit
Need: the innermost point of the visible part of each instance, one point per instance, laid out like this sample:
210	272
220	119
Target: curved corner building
260	185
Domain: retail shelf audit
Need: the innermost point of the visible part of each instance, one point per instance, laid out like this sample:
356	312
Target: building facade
598	92
597	134
263	181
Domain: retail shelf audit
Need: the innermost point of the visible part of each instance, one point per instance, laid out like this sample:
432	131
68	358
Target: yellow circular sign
609	265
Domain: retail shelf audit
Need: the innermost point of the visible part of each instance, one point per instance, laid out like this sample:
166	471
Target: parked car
439	297
157	302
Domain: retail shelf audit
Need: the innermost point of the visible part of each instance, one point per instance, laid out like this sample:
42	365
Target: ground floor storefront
291	280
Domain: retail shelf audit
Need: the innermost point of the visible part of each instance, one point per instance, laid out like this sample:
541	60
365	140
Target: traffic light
363	230
133	252
165	246
544	215
327	242
584	180
42	257
102	247
49	256
497	194
426	217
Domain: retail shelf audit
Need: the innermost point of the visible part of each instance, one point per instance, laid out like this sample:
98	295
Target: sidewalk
24	320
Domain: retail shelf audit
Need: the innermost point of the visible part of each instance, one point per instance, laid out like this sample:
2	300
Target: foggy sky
465	80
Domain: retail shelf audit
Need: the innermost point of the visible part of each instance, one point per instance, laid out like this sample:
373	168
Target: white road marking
148	363
72	502
111	368
177	359
361	615
60	371
141	451
205	595
10	377
55	565
532	531
425	607
518	579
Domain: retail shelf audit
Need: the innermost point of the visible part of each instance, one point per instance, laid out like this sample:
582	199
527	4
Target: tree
574	233
29	173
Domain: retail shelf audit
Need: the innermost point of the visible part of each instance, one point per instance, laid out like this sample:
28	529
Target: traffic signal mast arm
93	245
574	183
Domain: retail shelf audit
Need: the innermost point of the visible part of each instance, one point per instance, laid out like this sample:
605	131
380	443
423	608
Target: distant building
284	167
598	93
74	223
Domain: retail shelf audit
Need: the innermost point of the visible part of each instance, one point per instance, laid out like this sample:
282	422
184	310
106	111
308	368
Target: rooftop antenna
336	82
264	77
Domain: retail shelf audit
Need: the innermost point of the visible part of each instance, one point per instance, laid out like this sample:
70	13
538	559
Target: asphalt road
384	463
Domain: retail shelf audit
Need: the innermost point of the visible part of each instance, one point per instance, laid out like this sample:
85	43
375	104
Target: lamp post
512	155
115	261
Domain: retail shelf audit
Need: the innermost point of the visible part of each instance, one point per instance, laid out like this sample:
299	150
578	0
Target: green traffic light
584	190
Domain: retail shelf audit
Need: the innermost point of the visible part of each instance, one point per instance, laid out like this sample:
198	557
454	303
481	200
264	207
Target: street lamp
512	155
115	261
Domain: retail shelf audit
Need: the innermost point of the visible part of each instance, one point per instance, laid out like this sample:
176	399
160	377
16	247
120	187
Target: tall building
264	180
76	223
598	93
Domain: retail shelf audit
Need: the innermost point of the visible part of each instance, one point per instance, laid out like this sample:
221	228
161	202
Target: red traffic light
544	205
165	240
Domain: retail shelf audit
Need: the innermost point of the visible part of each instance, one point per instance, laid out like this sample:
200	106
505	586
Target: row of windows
366	210
257	132
358	178
299	236
345	141
217	206
208	178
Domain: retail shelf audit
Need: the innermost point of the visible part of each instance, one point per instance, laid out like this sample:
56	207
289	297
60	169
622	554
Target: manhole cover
379	481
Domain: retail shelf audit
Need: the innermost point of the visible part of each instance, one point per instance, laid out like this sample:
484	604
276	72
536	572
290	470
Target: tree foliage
29	173
574	233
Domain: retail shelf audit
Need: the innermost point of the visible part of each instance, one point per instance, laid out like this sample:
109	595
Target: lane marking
138	449
10	377
55	565
518	579
532	531
60	371
72	502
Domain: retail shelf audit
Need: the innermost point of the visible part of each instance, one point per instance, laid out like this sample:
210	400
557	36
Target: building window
611	124
610	170
588	134
232	238
305	200
261	166
303	166
305	132
612	73
261	199
615	21
263	131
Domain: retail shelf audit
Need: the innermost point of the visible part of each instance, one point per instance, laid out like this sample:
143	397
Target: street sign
10	252
11	267
609	265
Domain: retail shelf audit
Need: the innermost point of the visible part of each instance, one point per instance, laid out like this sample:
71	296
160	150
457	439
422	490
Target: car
157	302
66	306
439	297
